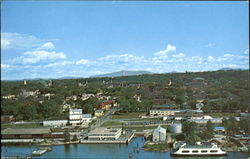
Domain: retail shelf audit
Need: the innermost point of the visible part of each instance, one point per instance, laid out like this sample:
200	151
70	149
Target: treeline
225	91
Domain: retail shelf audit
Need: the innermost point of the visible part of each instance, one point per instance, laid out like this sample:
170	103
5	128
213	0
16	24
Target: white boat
206	149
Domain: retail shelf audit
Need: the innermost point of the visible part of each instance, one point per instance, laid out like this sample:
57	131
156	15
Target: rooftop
86	115
24	131
105	130
159	129
99	111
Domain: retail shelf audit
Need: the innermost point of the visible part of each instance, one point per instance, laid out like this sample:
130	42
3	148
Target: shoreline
149	148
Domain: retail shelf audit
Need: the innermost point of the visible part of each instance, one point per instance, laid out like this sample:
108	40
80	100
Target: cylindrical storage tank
175	128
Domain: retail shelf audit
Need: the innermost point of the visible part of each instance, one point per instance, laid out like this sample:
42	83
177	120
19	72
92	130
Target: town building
86	118
204	121
99	112
7	118
219	130
197	83
162	112
165	106
55	123
29	93
75	117
105	134
12	97
188	114
159	134
106	104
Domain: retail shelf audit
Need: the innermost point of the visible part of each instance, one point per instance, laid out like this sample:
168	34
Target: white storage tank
175	128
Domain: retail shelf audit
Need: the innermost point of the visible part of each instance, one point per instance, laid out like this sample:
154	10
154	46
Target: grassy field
111	123
127	115
145	119
221	115
3	126
156	147
141	128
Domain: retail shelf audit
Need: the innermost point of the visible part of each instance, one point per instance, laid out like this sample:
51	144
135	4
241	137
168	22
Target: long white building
55	123
105	134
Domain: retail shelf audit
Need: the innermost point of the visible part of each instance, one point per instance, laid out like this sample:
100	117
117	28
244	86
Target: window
195	151
213	151
203	151
185	151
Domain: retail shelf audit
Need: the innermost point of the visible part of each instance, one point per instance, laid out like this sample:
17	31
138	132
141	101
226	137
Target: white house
75	117
159	134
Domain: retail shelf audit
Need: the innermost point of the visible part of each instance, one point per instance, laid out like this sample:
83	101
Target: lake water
105	151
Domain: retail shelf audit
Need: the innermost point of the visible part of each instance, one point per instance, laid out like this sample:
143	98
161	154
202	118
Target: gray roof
159	129
24	131
87	116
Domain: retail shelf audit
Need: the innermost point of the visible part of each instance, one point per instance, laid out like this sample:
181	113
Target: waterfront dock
123	140
38	152
41	151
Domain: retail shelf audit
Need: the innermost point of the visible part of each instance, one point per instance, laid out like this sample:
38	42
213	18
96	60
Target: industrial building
29	134
175	128
105	134
159	134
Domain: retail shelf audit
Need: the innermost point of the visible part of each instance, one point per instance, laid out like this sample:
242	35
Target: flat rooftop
24	131
105	131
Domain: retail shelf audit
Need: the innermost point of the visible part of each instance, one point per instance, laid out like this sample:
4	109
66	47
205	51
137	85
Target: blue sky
62	38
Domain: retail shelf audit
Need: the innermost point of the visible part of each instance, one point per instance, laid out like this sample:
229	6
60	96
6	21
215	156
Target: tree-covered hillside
222	91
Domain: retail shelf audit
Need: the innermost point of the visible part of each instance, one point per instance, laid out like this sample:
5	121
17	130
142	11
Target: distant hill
123	73
228	69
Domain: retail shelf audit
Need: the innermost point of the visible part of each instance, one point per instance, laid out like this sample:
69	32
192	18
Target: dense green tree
244	124
190	131
231	125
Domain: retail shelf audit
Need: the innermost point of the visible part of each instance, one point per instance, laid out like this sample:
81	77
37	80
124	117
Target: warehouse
105	134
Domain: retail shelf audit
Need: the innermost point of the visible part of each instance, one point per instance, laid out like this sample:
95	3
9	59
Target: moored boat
205	149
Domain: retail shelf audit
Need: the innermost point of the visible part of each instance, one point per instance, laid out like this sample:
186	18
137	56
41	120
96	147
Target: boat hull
179	153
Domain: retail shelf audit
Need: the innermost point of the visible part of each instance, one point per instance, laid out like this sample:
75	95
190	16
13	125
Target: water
105	151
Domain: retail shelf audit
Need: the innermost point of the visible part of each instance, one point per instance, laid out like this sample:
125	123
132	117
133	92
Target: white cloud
37	56
47	46
18	41
121	58
168	49
59	64
210	45
42	62
83	62
5	66
5	43
210	58
180	55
